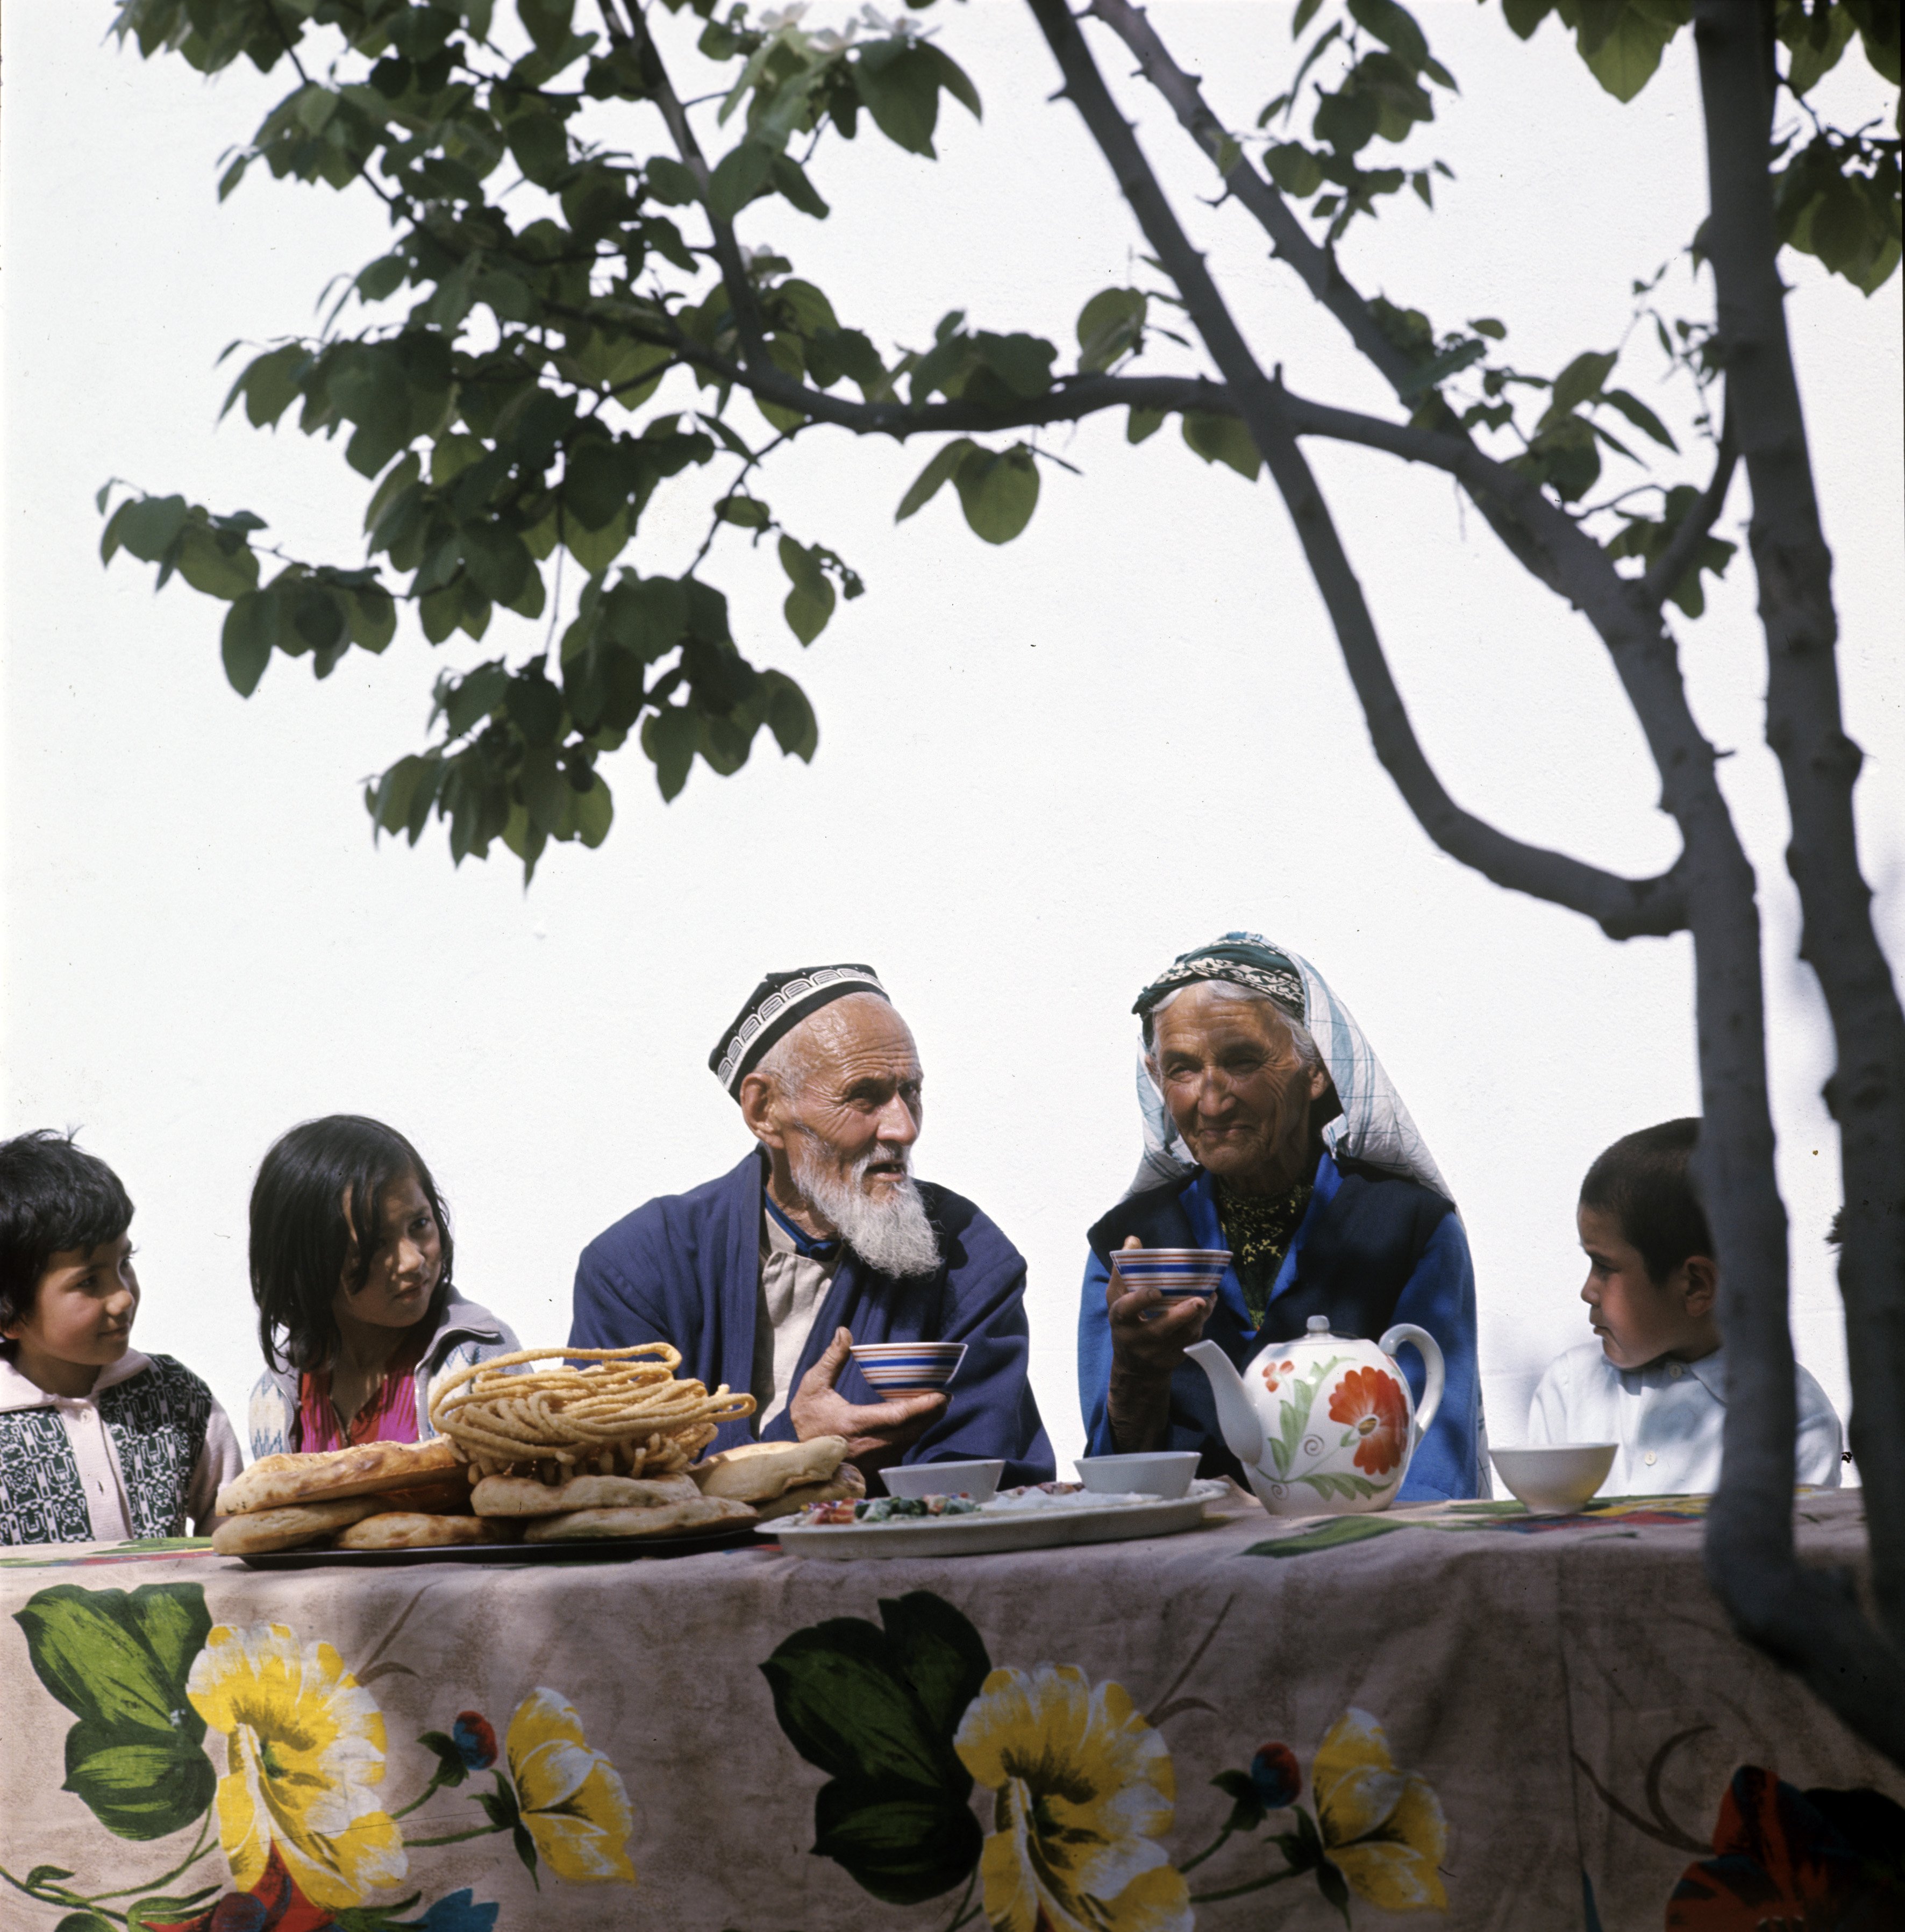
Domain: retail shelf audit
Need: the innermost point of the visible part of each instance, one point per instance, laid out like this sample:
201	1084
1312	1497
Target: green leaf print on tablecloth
118	1662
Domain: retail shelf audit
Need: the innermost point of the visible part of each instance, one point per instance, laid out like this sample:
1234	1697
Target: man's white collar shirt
1667	1418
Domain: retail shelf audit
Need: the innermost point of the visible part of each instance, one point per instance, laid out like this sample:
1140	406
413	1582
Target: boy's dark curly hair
54	1195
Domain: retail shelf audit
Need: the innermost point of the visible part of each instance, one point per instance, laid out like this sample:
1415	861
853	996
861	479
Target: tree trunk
1819	764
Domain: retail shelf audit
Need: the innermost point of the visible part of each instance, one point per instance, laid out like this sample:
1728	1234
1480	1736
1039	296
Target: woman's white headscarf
1374	1126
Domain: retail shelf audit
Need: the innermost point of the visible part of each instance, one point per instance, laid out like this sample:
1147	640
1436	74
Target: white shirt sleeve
1817	1458
219	1461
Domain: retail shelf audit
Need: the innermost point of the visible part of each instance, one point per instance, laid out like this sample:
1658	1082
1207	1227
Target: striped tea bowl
1176	1273
907	1368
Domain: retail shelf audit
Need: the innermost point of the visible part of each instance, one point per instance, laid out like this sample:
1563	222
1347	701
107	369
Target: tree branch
1622	906
1750	1557
1261	196
1660	582
741	291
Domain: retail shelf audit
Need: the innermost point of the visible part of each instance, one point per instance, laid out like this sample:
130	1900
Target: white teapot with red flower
1326	1426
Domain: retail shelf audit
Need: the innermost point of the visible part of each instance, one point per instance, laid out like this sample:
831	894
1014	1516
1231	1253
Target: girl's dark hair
1645	1182
303	1237
53	1196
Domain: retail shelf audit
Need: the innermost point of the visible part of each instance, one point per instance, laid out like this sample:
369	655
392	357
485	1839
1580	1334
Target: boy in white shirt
98	1443
1655	1380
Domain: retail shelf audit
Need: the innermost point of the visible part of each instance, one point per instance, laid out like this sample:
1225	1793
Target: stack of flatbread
374	1496
417	1495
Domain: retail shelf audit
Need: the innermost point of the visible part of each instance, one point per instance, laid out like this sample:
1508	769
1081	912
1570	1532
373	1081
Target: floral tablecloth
1464	1713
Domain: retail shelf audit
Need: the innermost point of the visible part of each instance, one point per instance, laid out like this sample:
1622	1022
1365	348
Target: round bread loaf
366	1468
523	1495
755	1472
584	1525
848	1486
262	1530
407	1529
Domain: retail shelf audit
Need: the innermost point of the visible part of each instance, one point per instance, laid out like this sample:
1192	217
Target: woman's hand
1147	1349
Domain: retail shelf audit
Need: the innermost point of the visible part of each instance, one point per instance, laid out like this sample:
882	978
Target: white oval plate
986	1534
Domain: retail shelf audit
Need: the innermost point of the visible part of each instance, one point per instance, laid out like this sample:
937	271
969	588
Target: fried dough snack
624	1413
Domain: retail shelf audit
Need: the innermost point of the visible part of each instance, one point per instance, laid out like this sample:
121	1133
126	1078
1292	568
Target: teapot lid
1318	1325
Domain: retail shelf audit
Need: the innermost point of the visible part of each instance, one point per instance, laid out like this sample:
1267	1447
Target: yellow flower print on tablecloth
1085	1791
1382	1828
572	1800
304	1755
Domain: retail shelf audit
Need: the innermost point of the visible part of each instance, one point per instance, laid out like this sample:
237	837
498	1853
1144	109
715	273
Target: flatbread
848	1486
585	1525
273	1482
260	1530
407	1529
523	1495
754	1472
446	1494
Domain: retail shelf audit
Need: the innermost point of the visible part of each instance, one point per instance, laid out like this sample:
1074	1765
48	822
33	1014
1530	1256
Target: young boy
1656	1382
98	1443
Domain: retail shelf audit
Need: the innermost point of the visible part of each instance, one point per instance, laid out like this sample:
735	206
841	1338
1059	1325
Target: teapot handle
1426	1347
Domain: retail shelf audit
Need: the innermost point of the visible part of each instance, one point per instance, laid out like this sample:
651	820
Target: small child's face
1637	1319
83	1307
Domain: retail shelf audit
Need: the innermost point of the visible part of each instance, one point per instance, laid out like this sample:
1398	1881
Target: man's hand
877	1434
1147	1350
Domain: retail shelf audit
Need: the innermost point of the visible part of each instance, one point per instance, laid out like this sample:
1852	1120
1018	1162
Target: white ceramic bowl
1158	1472
979	1480
1556	1478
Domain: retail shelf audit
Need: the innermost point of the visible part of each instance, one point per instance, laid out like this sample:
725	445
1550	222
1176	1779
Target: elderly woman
1271	1129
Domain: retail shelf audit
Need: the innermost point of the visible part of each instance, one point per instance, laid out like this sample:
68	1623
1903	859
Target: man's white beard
889	1230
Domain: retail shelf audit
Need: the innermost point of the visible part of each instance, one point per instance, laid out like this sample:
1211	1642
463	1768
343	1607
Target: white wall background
1043	771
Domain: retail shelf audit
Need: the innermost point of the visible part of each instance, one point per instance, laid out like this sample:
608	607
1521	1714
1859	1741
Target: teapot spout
1243	1433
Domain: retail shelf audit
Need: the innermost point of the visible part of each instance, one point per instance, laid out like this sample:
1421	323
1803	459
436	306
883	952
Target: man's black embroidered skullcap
775	1006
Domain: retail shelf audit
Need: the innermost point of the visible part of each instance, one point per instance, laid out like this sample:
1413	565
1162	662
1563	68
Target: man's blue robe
1372	1249
685	1269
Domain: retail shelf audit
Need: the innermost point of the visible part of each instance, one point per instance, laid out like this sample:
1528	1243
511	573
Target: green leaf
1640	416
1579	381
210	566
998	491
842	1698
45	1875
926	484
1486	325
162	1910
670	182
1222	439
245	644
738	176
1339	1530
790	716
1622	40
596	550
939	1653
810	603
1110	324
1142	423
84	1921
1305	12
136	1756
1394	26
670	737
749	512
903	1847
1246	1810
591	813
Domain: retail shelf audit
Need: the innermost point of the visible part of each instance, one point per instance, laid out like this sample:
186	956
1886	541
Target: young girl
351	1259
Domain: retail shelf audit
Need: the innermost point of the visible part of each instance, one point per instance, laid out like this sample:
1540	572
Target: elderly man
821	1238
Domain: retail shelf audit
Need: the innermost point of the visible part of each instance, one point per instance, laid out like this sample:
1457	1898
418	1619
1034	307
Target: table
1522	1722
